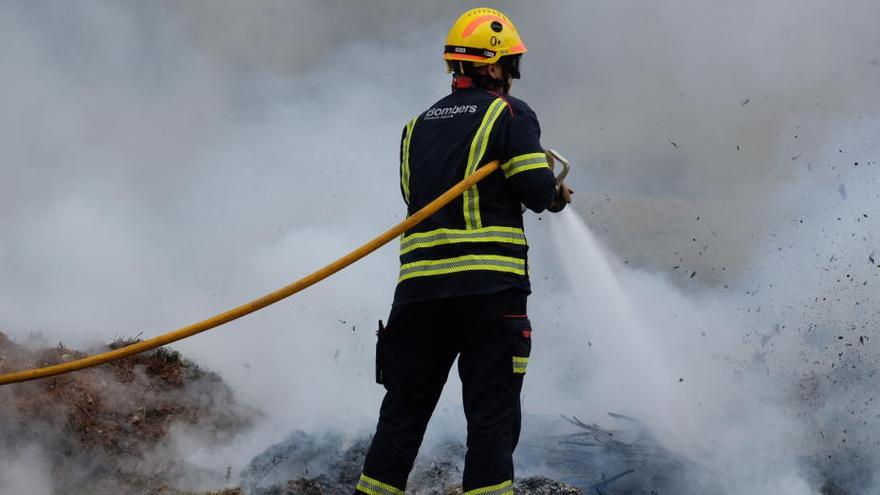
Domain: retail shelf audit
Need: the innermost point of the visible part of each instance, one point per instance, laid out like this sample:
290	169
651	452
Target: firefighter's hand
562	198
565	192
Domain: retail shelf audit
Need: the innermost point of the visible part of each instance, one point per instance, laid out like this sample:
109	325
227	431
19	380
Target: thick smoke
25	472
163	161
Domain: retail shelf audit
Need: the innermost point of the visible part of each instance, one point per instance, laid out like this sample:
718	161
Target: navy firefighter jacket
476	243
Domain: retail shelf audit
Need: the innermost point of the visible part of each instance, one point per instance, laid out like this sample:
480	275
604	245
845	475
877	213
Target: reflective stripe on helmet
475	23
471	53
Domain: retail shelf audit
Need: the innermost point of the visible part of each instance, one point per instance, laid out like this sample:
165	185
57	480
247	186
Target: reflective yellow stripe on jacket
439	237
491	262
522	163
404	161
475	156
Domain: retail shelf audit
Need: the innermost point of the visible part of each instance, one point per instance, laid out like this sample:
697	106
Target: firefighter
463	277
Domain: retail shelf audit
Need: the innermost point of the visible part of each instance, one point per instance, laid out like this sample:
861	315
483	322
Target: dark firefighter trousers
491	335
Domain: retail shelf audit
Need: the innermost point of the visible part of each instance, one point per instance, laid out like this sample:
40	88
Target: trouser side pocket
519	330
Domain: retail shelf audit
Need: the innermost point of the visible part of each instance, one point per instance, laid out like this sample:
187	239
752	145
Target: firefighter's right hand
562	198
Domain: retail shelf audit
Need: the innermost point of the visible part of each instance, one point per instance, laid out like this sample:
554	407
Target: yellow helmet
482	36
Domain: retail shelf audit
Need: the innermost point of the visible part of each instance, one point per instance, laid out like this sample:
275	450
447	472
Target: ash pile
584	458
623	459
326	464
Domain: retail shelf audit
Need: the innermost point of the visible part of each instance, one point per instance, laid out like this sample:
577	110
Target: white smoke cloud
163	162
25	472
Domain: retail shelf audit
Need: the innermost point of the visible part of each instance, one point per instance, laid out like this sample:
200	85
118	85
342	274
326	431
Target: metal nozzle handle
556	156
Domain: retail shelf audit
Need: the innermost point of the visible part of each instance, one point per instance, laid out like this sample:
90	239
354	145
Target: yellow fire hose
262	302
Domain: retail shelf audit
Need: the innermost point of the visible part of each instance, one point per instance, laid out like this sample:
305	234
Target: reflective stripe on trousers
504	488
520	364
376	487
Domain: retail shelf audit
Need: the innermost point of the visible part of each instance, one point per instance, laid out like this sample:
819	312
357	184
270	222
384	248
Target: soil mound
96	425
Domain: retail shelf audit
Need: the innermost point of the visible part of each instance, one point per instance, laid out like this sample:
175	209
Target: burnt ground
100	429
580	457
